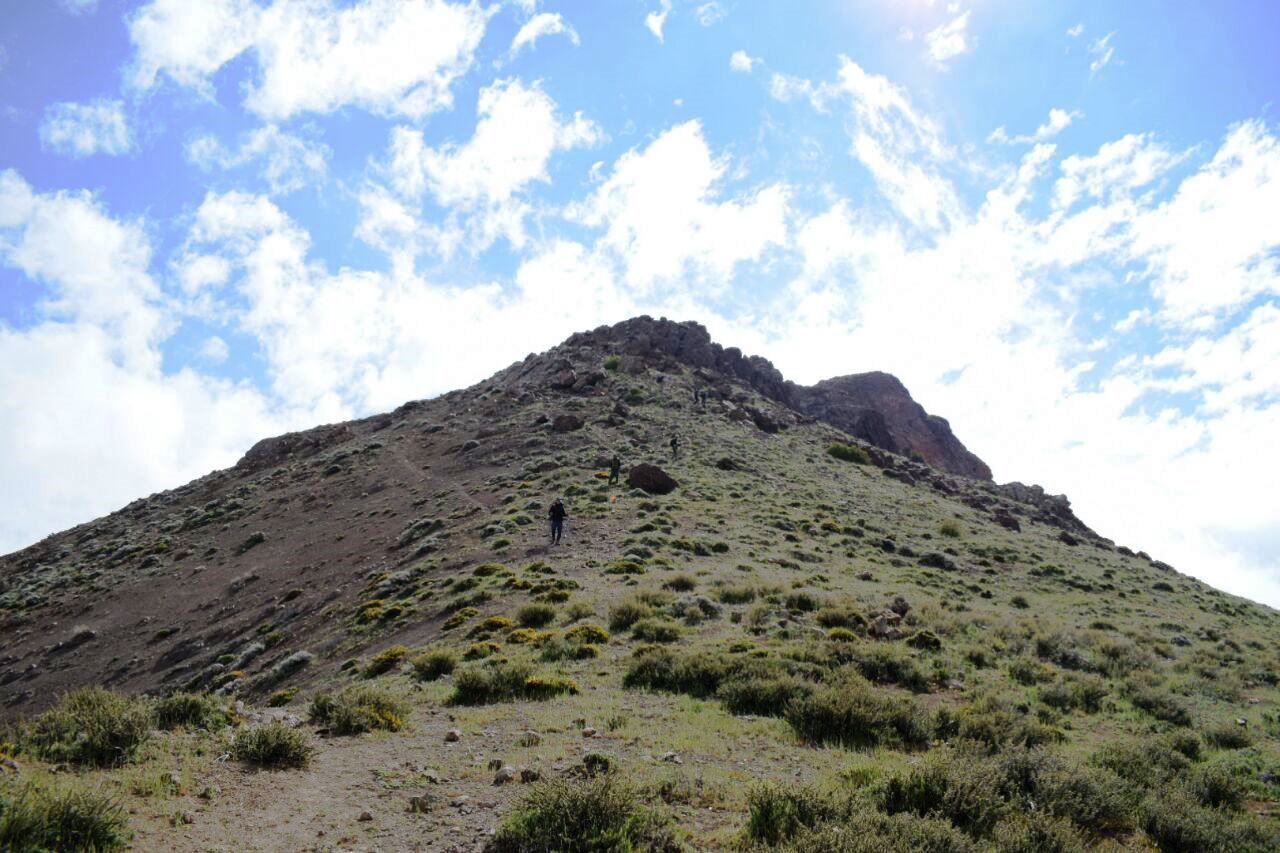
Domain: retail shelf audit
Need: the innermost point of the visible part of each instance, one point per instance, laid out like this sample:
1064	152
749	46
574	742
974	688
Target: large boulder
651	479
566	423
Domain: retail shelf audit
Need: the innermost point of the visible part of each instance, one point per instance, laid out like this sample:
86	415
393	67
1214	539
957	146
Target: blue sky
1058	223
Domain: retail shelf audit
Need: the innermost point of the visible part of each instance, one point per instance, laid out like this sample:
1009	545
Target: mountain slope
970	602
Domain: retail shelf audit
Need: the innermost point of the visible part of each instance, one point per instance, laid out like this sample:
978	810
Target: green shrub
1143	762
1162	705
505	682
1216	786
764	695
885	664
800	602
611	363
38	818
1029	671
188	711
736	594
997	724
1228	736
591	815
274	746
543	687
1037	833
950	529
556	648
872	832
852	713
90	726
359	708
535	615
433	664
848	616
628	612
656	631
778	813
680	583
479	651
587	634
656	668
1071	693
386	660
1178	824
849	453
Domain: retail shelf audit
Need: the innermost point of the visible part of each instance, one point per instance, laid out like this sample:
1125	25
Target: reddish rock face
877	408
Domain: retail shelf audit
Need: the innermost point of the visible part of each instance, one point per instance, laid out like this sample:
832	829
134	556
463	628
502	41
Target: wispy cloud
948	41
81	130
539	26
1103	51
655	21
1059	120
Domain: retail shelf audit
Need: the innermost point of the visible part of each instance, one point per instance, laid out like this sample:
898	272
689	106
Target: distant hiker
557	516
615	469
662	386
702	398
675	447
695	394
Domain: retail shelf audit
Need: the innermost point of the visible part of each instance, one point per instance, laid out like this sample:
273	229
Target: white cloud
661	217
1076	31
544	24
1059	120
1118	168
80	7
391	57
92	357
949	40
655	21
516	134
80	130
288	162
742	61
709	14
214	350
1103	51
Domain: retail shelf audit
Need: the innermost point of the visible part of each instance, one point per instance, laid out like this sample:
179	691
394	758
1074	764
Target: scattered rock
419	804
452	736
900	606
469	445
431	776
253	541
505	774
1180	640
365	817
651	479
566	423
588	732
671	758
528	774
1006	519
865	576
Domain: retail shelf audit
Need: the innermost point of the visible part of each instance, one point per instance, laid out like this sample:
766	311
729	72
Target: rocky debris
452	736
1054	510
365	817
900	606
670	758
273	451
1006	519
883	625
588	732
1180	640
505	774
566	423
865	576
764	421
469	445
419	804
529	775
651	479
529	739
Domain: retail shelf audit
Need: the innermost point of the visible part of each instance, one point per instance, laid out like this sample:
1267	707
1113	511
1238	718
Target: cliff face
875	407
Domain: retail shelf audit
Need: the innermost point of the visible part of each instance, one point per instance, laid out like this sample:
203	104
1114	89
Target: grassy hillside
796	648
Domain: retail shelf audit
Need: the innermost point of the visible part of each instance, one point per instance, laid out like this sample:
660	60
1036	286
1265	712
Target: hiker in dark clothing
702	398
675	447
557	516
615	469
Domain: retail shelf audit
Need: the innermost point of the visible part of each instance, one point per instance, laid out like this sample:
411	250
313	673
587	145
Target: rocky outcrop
878	409
874	407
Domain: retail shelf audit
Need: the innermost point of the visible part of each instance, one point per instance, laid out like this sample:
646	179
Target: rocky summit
800	618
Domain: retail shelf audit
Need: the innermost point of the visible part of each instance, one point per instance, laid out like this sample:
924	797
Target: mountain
821	588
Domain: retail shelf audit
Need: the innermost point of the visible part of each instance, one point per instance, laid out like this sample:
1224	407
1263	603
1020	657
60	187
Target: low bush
1162	705
849	453
556	648
950	529
680	583
589	815
852	713
386	660
1228	736
872	832
90	726
188	711
505	682
39	817
1217	786
628	612
433	664
587	634
736	594
886	664
359	708
535	615
1178	824
845	616
800	602
1038	833
657	668
1075	693
996	724
1143	762
764	695
656	631
778	813
275	746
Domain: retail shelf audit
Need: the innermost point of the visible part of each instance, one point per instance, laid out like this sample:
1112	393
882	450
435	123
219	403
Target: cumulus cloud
539	26
288	162
80	130
661	215
655	21
743	62
1059	120
391	57
517	132
709	14
91	357
1119	167
949	40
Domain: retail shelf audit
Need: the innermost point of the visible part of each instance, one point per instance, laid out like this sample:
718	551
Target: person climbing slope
557	514
675	447
615	469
